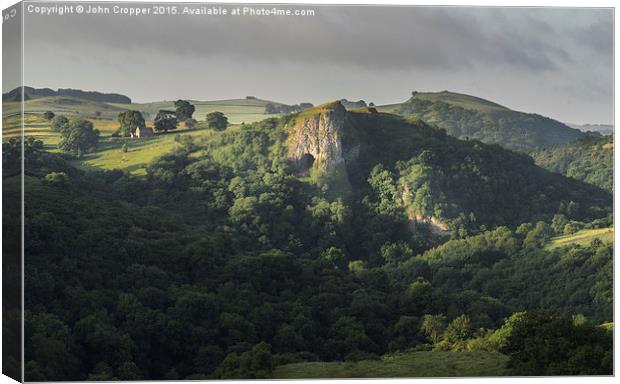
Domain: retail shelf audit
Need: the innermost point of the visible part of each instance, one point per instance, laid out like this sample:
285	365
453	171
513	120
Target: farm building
142	132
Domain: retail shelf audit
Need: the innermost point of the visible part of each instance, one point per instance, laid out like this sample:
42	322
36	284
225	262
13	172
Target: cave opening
304	164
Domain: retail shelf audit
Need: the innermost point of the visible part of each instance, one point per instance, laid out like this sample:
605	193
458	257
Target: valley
330	241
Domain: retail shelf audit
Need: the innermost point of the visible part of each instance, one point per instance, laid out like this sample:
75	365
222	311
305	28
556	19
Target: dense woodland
515	130
223	263
590	159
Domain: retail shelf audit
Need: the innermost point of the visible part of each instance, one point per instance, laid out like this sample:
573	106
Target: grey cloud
368	37
532	59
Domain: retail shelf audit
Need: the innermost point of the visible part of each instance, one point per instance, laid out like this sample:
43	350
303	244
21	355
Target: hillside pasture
140	152
38	127
583	237
108	154
236	110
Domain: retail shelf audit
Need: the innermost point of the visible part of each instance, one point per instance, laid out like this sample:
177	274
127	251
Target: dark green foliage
426	173
78	137
541	344
129	121
256	363
493	125
59	123
217	121
165	121
49	115
510	274
590	160
184	110
221	263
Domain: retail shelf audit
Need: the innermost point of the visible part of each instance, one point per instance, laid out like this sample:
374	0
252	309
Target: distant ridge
469	117
33	93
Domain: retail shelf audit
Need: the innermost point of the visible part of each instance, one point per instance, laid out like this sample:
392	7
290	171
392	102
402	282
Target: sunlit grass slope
583	237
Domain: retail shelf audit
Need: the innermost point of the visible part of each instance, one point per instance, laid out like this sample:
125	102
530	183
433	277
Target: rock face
316	136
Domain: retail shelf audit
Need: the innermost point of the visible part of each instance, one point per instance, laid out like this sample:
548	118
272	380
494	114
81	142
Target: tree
165	121
217	120
59	123
396	252
335	257
541	343
49	115
130	121
256	363
458	331
537	237
79	137
184	110
433	327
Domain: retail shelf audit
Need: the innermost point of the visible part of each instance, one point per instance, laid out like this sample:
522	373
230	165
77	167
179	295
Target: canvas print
202	191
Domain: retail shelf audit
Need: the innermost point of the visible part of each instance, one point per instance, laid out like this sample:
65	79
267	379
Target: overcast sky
556	62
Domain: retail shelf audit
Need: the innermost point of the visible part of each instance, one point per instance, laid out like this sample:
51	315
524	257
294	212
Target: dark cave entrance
304	164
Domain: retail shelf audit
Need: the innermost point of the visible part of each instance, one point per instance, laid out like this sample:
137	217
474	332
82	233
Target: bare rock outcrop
316	137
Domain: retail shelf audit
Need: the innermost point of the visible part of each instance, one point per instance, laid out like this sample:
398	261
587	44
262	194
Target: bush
56	179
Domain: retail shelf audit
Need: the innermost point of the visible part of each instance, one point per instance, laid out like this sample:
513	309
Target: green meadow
140	152
236	110
103	116
583	237
64	105
411	364
457	99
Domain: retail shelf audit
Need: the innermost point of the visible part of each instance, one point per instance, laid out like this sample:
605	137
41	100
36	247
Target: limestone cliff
316	137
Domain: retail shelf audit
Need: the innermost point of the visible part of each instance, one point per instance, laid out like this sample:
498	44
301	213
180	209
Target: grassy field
139	154
65	105
458	99
38	127
583	237
34	124
237	110
412	364
103	116
108	155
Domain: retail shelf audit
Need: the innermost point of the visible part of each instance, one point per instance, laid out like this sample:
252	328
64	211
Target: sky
557	62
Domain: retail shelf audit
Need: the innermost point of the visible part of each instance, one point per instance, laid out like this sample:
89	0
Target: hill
590	160
469	117
108	106
603	129
433	177
33	93
67	105
292	240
